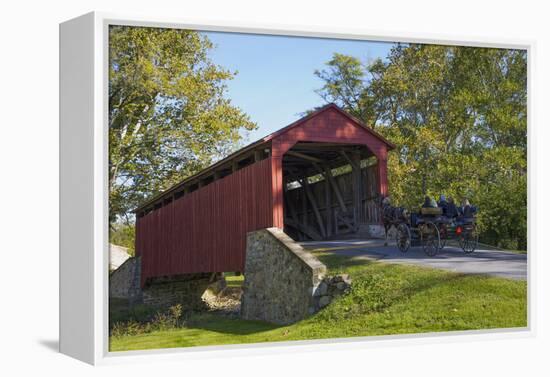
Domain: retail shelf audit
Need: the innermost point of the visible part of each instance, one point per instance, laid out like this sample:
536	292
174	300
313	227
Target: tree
346	84
458	116
168	113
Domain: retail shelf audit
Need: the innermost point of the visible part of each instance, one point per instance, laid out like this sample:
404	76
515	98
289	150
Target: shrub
160	321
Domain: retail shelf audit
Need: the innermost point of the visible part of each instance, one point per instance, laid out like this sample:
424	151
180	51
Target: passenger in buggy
467	210
452	211
443	204
429	202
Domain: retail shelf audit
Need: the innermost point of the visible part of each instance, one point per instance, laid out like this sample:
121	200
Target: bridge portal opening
331	191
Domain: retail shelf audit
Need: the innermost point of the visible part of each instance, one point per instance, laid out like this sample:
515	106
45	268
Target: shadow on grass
339	262
234	326
121	311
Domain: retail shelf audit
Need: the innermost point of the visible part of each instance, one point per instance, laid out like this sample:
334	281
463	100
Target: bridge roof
259	144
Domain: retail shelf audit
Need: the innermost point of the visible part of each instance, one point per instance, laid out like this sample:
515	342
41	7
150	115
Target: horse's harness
392	214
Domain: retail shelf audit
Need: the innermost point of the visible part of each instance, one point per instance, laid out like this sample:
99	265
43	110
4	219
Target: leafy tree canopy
459	118
168	113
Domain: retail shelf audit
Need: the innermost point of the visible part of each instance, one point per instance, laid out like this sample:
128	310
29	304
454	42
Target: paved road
497	263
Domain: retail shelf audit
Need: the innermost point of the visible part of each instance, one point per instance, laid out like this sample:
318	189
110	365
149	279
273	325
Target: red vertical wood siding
205	231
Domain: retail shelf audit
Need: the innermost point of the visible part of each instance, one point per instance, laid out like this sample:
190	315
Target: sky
275	80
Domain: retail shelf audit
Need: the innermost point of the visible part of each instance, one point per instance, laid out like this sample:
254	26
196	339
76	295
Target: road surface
491	262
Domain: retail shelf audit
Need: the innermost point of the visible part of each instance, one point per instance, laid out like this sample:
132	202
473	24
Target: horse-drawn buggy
430	227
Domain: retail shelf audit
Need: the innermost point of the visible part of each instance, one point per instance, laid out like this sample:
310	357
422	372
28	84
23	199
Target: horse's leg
385	235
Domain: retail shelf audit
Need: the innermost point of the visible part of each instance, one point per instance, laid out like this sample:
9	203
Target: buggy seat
465	220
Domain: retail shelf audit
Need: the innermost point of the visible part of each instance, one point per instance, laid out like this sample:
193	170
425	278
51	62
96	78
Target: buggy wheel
403	238
468	240
429	237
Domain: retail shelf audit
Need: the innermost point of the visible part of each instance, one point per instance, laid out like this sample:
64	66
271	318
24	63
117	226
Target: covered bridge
318	178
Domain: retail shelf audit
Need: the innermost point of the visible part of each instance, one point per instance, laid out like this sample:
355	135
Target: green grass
486	246
233	280
385	299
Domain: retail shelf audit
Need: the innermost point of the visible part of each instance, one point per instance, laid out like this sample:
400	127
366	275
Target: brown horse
391	216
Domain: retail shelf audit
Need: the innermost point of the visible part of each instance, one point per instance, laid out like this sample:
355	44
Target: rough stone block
341	285
280	278
324	301
322	290
186	290
124	282
283	282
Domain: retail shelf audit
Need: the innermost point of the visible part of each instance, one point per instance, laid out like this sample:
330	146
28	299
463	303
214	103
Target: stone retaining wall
330	288
187	290
124	282
283	282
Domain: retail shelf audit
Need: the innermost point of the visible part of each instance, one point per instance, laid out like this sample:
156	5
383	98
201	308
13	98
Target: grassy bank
385	299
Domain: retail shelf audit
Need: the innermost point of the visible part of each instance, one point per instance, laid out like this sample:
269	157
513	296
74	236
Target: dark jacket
443	205
468	211
452	211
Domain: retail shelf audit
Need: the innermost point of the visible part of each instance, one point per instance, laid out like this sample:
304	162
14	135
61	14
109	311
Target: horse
391	216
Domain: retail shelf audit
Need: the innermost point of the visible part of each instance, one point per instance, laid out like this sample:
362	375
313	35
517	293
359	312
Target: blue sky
275	81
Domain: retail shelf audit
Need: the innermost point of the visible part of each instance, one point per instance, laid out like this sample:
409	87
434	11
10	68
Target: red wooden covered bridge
318	178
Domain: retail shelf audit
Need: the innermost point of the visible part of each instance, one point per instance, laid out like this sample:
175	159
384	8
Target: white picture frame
84	189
